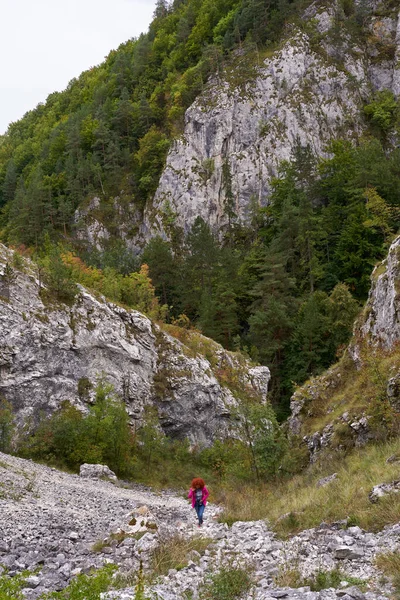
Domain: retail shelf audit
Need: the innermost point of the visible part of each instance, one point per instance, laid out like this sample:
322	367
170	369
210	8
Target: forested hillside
285	285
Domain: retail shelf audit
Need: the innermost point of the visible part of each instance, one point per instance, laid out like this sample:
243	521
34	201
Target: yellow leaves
134	290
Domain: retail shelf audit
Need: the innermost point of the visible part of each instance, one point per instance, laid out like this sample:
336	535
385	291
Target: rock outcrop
309	92
88	471
51	352
381	322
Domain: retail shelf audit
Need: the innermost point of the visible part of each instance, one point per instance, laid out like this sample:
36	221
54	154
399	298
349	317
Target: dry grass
298	504
390	565
357	390
289	577
174	553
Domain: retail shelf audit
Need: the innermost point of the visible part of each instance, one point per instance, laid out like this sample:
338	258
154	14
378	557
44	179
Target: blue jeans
199	508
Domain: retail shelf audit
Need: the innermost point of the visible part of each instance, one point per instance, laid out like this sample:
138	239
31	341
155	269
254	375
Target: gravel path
51	519
59	525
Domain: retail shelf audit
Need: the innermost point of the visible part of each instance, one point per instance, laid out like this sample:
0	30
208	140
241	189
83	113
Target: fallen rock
326	480
352	553
384	489
97	472
351	592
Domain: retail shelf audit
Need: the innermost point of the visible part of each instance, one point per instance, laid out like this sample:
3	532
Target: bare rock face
382	323
50	353
307	93
250	118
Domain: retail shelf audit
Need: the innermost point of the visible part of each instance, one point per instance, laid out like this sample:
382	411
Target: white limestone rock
48	351
298	95
97	472
382	323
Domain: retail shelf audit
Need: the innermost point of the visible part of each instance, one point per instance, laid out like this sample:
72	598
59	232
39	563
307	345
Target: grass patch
354	391
174	553
321	580
298	504
390	565
83	587
324	580
11	587
289	577
229	583
86	587
115	537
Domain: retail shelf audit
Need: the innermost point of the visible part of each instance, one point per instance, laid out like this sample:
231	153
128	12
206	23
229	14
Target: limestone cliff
381	323
49	352
311	90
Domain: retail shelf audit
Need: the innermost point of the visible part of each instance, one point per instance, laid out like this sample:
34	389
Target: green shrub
10	587
58	276
229	583
71	438
6	425
85	587
382	111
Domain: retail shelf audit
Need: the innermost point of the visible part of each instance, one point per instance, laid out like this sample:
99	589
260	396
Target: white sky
45	43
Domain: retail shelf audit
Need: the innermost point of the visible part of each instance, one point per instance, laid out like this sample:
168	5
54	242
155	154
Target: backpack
198	495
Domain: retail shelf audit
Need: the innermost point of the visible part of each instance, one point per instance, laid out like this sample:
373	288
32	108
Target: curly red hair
198	483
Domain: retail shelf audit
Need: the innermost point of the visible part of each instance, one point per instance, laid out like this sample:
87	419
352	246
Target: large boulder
97	472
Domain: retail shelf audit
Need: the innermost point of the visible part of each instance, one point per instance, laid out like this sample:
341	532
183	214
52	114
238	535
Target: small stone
32	581
394	458
343	552
142	511
326	480
355	593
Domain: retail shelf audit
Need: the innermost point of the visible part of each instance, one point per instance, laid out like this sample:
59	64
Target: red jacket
204	497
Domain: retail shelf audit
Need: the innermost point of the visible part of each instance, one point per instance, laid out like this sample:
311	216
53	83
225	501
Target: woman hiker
199	494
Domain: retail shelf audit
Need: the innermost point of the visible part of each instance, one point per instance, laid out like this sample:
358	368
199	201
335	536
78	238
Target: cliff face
381	324
244	133
251	116
49	352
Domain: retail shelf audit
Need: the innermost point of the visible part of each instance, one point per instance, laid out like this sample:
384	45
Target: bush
229	583
382	111
59	276
85	587
71	438
6	425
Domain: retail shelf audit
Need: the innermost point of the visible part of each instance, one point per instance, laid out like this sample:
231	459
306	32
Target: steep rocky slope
49	350
65	526
358	399
250	118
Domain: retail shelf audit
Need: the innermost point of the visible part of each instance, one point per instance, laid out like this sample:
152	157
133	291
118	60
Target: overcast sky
45	43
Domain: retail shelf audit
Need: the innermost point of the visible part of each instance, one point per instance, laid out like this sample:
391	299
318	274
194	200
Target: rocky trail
58	525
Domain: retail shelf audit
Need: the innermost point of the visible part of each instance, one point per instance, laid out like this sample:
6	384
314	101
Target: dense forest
285	287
